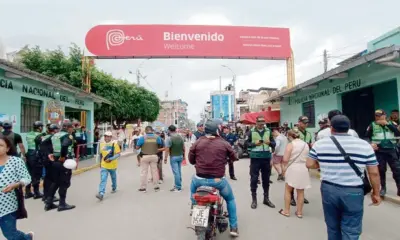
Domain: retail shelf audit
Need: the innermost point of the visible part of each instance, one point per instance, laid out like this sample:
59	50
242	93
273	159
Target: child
109	154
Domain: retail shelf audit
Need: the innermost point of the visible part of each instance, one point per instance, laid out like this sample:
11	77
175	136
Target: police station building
27	96
359	85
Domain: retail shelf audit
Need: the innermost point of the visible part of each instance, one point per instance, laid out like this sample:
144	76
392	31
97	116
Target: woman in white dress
295	172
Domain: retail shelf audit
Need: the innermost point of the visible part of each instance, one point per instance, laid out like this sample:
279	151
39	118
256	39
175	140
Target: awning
269	116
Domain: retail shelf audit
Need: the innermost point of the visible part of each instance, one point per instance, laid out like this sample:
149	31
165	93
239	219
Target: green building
359	85
27	96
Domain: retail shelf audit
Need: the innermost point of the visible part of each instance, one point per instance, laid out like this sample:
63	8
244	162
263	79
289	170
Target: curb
388	197
91	167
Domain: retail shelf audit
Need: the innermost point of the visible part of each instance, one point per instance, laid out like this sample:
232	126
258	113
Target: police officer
62	143
231	138
260	140
45	149
199	133
33	163
306	137
382	135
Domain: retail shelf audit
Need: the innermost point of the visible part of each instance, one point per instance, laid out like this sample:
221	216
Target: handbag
364	177
21	212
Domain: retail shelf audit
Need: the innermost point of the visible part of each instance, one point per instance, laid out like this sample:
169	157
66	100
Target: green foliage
130	102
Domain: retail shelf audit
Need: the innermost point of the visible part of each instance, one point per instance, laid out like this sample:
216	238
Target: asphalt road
163	215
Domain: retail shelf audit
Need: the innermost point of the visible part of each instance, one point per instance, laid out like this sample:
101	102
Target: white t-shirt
281	143
327	133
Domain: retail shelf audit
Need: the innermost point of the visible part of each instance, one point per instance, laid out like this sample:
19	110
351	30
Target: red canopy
270	117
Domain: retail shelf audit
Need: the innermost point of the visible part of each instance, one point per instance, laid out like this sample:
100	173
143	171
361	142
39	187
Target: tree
129	102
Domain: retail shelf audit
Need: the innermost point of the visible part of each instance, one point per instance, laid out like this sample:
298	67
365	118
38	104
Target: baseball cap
304	119
260	119
323	121
200	124
340	123
108	133
379	112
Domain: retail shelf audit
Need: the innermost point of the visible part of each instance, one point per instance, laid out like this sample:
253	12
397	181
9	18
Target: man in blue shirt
150	145
231	138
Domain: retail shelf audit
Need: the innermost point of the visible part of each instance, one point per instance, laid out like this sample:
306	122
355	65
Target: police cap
53	127
37	124
67	124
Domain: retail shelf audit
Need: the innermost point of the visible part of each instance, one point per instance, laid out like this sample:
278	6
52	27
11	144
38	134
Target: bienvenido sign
344	87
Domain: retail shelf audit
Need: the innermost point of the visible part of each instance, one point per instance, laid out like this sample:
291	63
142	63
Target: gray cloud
342	27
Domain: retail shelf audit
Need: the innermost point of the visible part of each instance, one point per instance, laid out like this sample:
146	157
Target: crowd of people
345	162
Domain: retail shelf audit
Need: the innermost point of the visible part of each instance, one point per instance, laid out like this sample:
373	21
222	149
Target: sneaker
114	191
100	197
157	189
32	235
234	232
143	190
176	190
160	182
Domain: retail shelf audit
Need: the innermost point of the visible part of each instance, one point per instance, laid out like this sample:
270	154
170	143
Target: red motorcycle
208	214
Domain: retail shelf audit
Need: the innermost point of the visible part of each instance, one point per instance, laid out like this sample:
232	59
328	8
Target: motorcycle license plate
200	216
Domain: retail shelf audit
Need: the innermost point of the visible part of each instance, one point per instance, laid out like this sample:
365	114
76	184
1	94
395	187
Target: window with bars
309	111
30	112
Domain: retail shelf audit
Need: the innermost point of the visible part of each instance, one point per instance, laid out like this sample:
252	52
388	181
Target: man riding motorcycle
210	155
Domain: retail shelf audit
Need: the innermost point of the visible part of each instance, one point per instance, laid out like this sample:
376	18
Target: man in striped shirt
341	188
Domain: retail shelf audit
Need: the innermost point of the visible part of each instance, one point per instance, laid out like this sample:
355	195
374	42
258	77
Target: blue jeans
8	225
343	210
103	179
176	165
224	189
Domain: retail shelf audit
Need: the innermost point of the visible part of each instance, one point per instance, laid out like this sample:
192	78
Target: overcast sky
342	27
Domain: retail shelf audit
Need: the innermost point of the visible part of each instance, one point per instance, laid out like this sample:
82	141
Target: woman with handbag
13	177
295	172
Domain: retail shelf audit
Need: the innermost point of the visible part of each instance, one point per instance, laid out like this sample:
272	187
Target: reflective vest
150	146
262	151
383	136
57	144
30	139
306	136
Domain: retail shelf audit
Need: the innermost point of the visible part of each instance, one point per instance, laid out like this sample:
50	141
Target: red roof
270	117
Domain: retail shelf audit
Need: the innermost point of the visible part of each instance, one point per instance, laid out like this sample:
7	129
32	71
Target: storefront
26	97
358	86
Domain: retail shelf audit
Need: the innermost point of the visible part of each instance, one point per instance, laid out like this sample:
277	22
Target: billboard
224	110
187	41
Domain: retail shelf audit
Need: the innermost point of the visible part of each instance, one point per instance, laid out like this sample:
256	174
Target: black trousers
391	158
48	180
258	165
35	169
231	169
61	182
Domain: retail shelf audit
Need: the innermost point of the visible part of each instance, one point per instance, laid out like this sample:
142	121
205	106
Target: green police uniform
34	166
262	151
62	149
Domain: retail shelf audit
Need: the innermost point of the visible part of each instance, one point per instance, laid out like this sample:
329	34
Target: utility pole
221	114
138	77
325	61
234	98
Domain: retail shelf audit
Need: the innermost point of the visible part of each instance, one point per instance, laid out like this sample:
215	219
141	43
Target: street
163	215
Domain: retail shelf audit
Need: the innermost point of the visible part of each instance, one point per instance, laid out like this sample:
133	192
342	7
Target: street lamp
234	90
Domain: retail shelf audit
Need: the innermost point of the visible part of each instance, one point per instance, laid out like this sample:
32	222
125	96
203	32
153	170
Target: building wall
327	96
11	101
